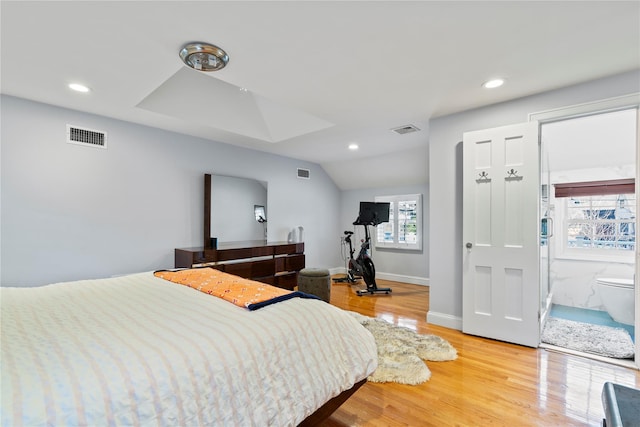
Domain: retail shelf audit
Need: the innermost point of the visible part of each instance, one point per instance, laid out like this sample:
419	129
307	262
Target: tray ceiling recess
202	100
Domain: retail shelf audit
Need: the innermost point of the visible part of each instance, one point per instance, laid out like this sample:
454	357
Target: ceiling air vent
405	129
304	173
86	137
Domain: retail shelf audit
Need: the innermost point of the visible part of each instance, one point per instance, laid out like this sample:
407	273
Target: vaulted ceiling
306	79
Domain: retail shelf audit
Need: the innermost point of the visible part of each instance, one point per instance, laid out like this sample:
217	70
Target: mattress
139	350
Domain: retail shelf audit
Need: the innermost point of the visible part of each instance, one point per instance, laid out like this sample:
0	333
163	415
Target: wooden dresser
275	263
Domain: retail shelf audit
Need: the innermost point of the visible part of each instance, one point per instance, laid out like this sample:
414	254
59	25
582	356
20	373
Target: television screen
372	213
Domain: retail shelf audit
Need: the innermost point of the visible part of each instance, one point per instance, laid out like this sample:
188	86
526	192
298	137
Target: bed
141	350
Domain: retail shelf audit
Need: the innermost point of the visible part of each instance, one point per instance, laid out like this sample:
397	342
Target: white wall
391	264
71	212
445	176
574	281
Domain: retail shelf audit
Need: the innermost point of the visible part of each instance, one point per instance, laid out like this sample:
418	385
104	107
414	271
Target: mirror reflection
261	215
237	206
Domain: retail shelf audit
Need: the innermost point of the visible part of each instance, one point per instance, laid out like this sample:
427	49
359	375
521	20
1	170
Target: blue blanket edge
295	294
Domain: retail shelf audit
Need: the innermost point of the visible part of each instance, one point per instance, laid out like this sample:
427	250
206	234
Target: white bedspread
139	350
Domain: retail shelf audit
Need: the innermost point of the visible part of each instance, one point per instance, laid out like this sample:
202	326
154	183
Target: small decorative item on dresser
315	281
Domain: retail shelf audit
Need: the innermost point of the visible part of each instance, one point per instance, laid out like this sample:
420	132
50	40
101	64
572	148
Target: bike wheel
354	270
369	273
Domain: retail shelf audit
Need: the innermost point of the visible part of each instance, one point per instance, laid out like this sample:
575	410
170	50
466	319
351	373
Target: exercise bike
352	275
363	265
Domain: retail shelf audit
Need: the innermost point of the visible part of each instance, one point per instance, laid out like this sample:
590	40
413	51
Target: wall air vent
86	137
304	173
405	129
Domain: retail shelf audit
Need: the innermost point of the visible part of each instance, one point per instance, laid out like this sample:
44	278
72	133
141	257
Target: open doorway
588	211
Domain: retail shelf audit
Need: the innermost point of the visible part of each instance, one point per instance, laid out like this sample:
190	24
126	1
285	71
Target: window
598	219
404	229
603	223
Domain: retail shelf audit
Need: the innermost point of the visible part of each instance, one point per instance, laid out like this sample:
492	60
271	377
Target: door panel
500	234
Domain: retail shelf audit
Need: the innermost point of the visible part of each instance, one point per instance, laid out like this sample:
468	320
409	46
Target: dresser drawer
294	262
269	280
242	269
262	251
263	268
293	248
230	254
287	281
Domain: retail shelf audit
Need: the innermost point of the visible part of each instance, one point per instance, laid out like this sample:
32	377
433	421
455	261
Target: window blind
595	188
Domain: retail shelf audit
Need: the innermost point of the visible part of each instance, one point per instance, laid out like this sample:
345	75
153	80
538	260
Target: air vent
405	129
304	173
86	137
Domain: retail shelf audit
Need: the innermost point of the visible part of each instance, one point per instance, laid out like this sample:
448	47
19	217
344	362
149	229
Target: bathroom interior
588	239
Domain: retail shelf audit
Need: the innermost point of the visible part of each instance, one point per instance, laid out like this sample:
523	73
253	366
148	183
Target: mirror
235	209
260	212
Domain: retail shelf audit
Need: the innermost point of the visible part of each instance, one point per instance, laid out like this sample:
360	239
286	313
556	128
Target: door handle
549	227
546	228
469	245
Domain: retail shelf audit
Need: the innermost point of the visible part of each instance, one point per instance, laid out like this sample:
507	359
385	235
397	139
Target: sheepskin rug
401	352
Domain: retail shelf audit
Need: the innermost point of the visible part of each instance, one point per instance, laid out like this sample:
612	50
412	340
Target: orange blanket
237	290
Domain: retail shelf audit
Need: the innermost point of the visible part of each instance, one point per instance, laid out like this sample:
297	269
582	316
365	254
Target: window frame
395	200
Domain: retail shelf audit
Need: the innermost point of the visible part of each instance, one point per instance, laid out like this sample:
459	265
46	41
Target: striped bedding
139	350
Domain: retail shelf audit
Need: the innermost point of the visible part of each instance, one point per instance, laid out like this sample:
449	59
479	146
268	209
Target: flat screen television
373	213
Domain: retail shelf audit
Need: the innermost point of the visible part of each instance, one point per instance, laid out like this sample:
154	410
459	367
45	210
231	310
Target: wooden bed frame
330	407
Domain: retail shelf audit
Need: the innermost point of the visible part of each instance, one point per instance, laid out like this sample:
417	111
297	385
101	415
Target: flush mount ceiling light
353	147
492	84
204	56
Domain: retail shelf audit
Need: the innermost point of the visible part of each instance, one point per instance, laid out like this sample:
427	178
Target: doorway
490	207
588	251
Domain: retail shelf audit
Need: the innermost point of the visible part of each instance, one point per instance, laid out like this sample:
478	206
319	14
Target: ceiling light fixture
353	147
492	84
78	87
204	56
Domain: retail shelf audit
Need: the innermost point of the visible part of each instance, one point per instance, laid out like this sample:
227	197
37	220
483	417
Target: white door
500	234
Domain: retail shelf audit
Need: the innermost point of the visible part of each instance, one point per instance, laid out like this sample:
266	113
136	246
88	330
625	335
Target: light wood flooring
491	383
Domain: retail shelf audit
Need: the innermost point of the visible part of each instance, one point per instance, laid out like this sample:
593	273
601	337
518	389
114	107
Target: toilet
618	298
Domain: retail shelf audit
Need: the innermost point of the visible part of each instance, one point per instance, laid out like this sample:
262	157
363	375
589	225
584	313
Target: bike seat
348	233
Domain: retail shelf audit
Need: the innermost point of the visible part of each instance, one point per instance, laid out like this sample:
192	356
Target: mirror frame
207	212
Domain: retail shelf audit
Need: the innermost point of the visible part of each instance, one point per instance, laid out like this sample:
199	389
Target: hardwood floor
491	382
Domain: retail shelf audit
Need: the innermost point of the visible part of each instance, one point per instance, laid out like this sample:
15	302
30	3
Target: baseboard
446	320
423	281
337	270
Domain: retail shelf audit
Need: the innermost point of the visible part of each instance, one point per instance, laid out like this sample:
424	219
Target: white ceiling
344	71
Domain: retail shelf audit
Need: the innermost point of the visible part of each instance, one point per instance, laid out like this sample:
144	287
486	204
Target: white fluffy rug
595	339
401	352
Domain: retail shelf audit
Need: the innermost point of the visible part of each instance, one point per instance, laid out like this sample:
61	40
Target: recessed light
78	87
353	147
492	84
